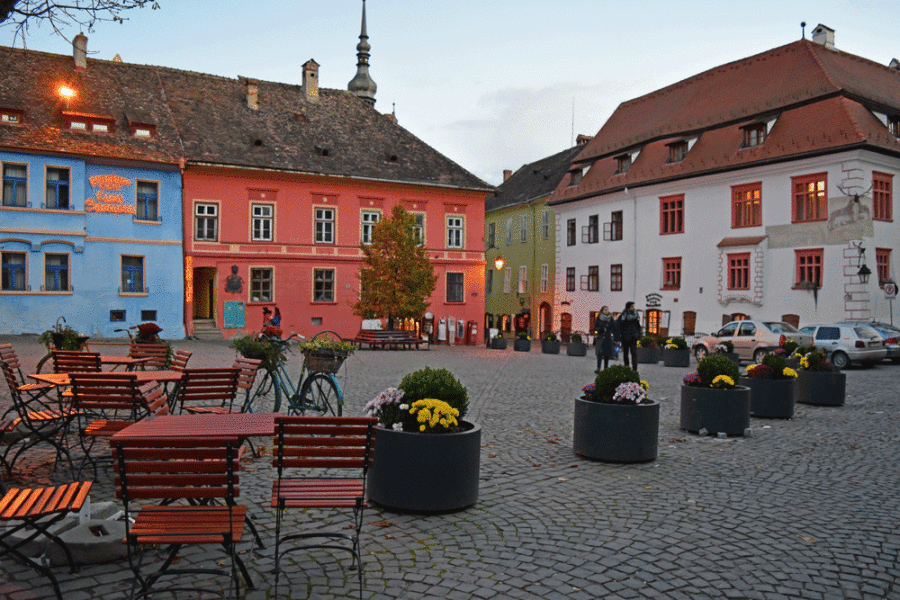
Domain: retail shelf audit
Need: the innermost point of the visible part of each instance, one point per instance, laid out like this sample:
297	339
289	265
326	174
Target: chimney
583	139
311	81
895	64
823	35
253	94
79	52
507	173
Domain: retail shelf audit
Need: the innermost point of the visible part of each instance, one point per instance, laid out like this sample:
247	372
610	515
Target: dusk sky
492	84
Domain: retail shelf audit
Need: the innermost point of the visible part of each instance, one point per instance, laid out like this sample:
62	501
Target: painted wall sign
653	300
105	199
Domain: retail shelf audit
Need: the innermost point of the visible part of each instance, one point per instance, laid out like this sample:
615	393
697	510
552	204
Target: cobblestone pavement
806	508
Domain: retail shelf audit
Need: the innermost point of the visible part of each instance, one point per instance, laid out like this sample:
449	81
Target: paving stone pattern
806	508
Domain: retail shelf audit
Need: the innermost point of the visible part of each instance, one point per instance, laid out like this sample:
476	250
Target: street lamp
66	92
499	262
864	273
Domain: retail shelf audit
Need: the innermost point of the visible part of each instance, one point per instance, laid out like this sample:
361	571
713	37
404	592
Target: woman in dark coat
603	338
630	332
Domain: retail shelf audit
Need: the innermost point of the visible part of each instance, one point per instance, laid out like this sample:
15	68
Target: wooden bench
385	338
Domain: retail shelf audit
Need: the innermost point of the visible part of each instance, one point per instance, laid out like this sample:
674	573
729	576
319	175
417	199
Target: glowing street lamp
499	262
66	92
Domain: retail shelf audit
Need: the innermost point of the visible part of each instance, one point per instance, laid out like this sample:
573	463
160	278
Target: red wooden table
128	362
62	379
233	425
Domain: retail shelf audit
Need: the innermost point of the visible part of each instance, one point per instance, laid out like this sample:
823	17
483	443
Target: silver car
890	334
752	339
847	344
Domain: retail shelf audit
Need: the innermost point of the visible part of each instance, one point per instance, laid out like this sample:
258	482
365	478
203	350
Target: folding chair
74	361
313	443
208	391
180	360
156	352
170	469
9	357
107	403
36	510
40	418
248	367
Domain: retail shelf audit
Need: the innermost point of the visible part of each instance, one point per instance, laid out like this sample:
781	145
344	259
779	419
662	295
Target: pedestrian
630	332
604	347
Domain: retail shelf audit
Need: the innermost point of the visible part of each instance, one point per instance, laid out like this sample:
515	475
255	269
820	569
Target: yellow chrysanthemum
789	372
645	385
434	415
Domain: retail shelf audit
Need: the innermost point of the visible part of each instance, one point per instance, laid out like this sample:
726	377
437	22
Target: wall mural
234	284
849	218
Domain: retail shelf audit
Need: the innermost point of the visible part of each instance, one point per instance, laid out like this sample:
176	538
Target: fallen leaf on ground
381	524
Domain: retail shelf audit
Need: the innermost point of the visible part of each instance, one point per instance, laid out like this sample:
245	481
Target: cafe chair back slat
195	483
333	455
180	360
246	378
207	391
39	416
75	361
29	514
155	351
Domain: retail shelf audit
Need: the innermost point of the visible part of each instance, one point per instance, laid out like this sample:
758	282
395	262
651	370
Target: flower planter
793	363
576	349
771	398
550	346
498	343
715	410
647	356
732	356
616	432
820	388
520	345
422	472
676	357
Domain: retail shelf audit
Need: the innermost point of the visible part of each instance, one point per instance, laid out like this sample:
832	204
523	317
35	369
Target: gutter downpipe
633	244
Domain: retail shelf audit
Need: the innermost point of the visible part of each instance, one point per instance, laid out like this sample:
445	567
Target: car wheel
700	352
840	360
758	355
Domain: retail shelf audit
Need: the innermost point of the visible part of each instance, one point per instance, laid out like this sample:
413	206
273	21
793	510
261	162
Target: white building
757	189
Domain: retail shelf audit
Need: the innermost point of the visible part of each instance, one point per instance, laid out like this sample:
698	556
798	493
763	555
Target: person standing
603	338
630	332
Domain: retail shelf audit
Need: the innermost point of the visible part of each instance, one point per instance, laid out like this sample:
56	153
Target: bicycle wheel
321	394
43	361
328	335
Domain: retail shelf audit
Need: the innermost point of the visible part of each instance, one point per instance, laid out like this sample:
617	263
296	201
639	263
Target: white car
845	344
752	339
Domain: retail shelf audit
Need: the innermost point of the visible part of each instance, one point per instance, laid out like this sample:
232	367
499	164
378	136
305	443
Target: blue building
90	221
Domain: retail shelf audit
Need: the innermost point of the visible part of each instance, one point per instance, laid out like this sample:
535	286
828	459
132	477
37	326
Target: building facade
718	204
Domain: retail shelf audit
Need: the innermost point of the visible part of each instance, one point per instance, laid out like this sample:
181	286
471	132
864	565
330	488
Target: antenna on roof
802	30
573	122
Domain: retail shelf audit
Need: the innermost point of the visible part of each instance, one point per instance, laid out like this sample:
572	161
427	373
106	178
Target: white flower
404	407
398	427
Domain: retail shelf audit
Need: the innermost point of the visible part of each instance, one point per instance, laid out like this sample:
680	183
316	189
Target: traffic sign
890	289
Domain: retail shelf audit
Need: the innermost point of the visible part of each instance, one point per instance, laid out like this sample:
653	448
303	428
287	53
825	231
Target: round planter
520	345
498	343
435	472
616	432
676	357
647	356
576	349
771	398
823	389
716	411
550	346
732	356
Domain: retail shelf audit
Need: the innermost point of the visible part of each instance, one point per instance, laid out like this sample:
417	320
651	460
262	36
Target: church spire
362	85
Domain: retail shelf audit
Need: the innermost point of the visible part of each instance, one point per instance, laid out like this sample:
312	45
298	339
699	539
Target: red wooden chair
208	391
35	511
180	360
248	368
156	352
342	444
170	470
74	361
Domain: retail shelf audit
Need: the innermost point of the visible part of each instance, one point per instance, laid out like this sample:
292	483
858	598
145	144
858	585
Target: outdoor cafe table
231	425
62	379
128	362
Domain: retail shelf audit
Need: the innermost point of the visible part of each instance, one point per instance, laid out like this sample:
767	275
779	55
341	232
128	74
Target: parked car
847	344
752	339
890	335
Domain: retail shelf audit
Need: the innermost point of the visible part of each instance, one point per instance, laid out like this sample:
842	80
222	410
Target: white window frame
262	222
367	221
462	285
507	279
419	227
328	295
545	278
209	213
523	228
324	223
455	231
263	297
509	230
523	280
545	224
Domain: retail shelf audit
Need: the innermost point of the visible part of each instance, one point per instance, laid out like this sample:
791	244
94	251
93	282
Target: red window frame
615	278
671	214
882	196
809	266
746	205
809	198
672	273
883	265
739	271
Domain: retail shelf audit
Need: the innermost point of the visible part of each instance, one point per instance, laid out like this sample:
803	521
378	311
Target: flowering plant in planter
772	367
789	347
523	335
428	401
434	416
815	360
576	337
617	385
714	371
647	342
725	347
388	408
676	343
549	336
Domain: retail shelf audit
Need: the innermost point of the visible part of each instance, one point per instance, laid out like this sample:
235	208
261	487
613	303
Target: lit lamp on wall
499	262
66	92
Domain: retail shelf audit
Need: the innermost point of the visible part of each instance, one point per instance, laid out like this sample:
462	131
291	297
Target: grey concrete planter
732	356
419	472
676	357
771	398
616	432
647	356
520	345
576	349
550	346
498	343
823	389
715	410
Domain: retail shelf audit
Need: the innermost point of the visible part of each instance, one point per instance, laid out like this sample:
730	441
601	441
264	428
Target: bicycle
316	391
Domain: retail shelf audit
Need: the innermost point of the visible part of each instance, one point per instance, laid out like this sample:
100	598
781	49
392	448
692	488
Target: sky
491	84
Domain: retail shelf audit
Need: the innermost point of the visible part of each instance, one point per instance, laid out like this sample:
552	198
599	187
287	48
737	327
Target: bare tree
21	14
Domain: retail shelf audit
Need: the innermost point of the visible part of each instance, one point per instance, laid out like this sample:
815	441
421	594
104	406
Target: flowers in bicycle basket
323	345
394	407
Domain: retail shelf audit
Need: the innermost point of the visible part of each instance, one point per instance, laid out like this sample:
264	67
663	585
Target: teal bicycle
317	390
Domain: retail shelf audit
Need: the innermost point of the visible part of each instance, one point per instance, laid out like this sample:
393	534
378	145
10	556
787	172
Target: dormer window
11	117
893	123
143	131
91	123
754	135
575	176
623	163
678	151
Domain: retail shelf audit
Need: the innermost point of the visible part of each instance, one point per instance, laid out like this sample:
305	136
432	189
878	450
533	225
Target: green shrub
729	347
676	342
576	337
269	352
439	384
548	336
774	361
789	347
647	342
609	379
714	365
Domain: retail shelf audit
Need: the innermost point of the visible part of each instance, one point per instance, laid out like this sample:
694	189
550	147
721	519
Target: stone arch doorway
545	316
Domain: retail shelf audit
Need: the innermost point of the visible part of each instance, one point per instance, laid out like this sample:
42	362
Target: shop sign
107	198
653	300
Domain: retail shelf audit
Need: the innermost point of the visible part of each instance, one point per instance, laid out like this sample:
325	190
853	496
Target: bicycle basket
324	360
